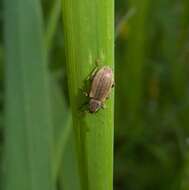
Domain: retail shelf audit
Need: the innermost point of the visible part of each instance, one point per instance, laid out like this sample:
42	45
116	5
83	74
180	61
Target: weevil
102	83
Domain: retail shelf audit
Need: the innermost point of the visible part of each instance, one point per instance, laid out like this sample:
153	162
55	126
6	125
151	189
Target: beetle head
94	105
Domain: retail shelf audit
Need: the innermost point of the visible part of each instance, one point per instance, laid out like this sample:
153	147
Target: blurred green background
151	92
151	146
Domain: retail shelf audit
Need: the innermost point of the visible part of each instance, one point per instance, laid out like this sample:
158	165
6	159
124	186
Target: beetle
102	83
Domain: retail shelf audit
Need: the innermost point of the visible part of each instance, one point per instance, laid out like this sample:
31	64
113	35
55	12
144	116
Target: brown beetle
102	83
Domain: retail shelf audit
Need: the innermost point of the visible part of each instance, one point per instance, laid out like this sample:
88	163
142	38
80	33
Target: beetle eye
94	105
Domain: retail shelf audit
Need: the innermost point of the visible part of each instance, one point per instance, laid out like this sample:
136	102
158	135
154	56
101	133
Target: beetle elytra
101	86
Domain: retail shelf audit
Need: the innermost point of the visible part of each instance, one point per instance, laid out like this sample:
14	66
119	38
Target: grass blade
89	35
134	67
69	169
62	126
52	23
28	133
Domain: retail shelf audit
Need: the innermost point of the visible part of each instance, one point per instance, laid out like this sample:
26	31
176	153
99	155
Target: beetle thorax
94	105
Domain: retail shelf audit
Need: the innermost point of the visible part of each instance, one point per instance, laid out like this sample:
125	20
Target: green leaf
52	23
28	132
62	126
89	36
69	169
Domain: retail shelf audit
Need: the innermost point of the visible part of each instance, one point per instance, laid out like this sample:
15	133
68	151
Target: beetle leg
86	94
107	97
113	84
97	64
83	108
93	73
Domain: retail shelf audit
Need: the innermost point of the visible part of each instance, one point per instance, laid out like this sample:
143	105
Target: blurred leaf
69	169
62	125
52	23
28	132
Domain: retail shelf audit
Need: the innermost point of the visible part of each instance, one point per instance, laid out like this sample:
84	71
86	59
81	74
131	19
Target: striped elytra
101	86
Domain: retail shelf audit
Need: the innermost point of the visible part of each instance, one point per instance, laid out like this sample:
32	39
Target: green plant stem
89	35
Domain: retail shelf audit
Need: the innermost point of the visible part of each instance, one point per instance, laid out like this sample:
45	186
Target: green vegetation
89	38
28	124
48	50
151	95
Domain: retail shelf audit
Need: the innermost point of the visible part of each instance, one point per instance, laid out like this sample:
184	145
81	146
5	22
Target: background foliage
152	97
